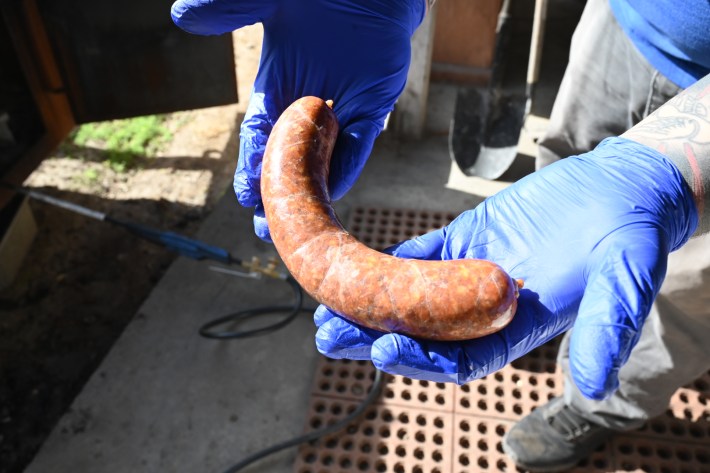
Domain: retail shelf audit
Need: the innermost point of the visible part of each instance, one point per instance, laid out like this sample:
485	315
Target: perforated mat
424	427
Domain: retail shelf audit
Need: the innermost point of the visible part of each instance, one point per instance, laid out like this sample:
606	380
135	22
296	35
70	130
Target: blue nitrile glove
355	52
590	237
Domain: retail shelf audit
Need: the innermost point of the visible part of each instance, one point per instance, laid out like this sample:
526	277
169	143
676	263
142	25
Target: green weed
124	141
90	175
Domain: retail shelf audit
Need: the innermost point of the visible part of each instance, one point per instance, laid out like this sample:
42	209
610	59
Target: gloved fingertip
593	390
261	227
183	15
351	152
385	352
212	17
247	194
322	315
403	356
253	136
326	347
338	340
597	352
176	11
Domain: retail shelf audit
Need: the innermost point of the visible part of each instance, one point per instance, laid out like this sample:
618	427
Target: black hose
243	315
293	310
316	434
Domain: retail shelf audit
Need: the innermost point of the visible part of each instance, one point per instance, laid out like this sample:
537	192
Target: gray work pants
608	87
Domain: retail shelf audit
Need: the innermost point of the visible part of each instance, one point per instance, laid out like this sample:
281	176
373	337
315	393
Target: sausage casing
435	300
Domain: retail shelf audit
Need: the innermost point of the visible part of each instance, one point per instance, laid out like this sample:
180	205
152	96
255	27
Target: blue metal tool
181	244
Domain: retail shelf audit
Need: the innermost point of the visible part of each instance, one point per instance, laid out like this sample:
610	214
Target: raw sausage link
436	300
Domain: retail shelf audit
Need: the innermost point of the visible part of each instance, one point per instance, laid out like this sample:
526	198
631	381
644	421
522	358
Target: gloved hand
355	52
590	237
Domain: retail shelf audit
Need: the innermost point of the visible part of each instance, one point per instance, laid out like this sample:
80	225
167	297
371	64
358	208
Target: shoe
553	438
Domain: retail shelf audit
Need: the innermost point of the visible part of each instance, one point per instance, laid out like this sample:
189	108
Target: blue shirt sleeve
672	35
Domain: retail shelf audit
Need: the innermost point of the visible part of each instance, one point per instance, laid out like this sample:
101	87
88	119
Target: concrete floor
166	399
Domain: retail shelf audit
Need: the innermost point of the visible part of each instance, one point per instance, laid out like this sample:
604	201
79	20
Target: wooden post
464	42
412	104
34	51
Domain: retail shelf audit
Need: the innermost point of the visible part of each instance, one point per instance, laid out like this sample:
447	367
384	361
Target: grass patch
124	141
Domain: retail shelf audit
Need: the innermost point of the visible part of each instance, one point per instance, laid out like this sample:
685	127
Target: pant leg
607	88
673	349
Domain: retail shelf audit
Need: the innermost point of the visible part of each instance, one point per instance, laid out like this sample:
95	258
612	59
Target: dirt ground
83	280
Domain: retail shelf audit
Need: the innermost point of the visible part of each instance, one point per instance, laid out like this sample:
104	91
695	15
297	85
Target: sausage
435	300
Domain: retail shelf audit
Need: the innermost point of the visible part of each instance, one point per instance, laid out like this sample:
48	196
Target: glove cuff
675	203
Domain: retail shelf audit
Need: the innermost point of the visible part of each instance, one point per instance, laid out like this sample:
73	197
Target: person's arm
680	129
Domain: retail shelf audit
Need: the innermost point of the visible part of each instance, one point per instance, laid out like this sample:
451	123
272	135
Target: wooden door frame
34	52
